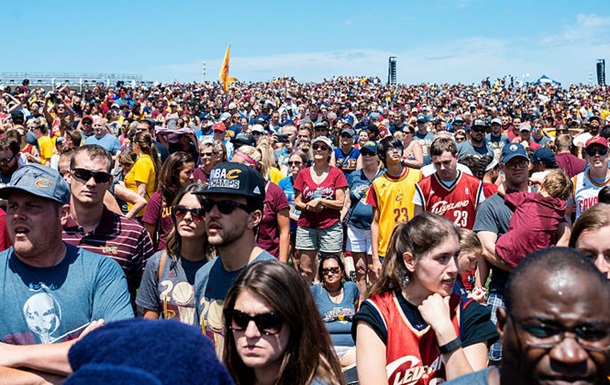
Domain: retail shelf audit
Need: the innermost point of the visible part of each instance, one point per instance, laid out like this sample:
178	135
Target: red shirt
327	190
158	210
268	231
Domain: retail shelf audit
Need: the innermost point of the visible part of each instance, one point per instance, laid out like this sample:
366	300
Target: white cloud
567	55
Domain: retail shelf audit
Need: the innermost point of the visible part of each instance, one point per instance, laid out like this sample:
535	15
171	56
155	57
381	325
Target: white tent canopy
546	80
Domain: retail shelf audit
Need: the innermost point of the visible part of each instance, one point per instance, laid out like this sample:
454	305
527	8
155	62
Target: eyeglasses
546	336
180	212
366	152
7	160
98	176
224	206
320	147
516	165
295	163
592	151
333	270
203	154
268	324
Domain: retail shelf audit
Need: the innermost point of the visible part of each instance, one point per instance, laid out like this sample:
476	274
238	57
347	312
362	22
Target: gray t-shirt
212	284
173	294
55	304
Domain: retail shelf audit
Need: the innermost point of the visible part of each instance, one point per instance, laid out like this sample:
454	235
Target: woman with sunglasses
176	173
360	216
201	174
413	324
337	301
412	155
273	332
166	290
319	195
296	162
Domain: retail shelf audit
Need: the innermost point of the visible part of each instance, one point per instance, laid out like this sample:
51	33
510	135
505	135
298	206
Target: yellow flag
224	70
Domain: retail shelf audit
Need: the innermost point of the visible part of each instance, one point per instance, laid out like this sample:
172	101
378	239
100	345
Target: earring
405	280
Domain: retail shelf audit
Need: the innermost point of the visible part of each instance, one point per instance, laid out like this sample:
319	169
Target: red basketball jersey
412	355
457	202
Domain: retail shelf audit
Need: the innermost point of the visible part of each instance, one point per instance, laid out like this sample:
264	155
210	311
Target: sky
434	41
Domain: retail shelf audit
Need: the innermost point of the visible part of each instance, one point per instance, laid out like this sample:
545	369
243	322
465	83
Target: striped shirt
118	237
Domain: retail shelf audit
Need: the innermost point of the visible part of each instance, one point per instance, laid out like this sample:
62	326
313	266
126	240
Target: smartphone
282	138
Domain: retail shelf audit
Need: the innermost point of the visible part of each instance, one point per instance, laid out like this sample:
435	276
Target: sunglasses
320	147
7	160
85	175
333	270
592	151
206	154
367	153
290	164
180	212
346	136
268	324
224	206
477	130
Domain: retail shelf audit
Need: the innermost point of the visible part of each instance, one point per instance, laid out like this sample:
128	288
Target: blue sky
435	41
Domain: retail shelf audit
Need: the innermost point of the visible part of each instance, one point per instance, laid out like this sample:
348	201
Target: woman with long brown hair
413	322
274	333
176	173
166	290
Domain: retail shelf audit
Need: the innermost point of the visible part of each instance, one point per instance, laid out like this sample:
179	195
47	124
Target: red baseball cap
219	127
597	140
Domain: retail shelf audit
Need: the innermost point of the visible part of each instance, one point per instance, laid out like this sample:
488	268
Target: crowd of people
316	233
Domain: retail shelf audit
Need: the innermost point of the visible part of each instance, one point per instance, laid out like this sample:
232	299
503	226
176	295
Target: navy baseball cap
544	155
371	146
38	180
232	178
513	150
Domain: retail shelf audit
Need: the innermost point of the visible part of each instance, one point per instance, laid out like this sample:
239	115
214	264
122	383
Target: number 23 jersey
457	202
393	197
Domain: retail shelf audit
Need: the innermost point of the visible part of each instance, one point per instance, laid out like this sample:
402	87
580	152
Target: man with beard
477	145
558	335
9	158
233	206
497	139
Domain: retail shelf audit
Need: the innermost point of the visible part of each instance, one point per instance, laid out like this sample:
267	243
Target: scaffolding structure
49	80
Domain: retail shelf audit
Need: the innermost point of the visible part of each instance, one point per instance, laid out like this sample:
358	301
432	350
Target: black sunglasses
180	212
365	152
592	151
224	206
322	147
267	323
7	160
98	176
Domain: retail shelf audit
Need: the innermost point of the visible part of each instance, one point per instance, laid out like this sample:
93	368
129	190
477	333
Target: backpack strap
161	264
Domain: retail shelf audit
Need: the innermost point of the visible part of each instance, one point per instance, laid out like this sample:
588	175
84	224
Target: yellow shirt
275	175
394	200
46	146
143	171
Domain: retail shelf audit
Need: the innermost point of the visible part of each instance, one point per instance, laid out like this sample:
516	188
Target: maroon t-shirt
199	176
156	210
532	225
327	190
570	164
268	231
5	241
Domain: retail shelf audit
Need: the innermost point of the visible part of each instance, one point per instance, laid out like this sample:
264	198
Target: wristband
450	346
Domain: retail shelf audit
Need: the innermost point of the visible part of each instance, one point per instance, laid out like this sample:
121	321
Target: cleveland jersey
393	197
585	192
412	354
457	202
